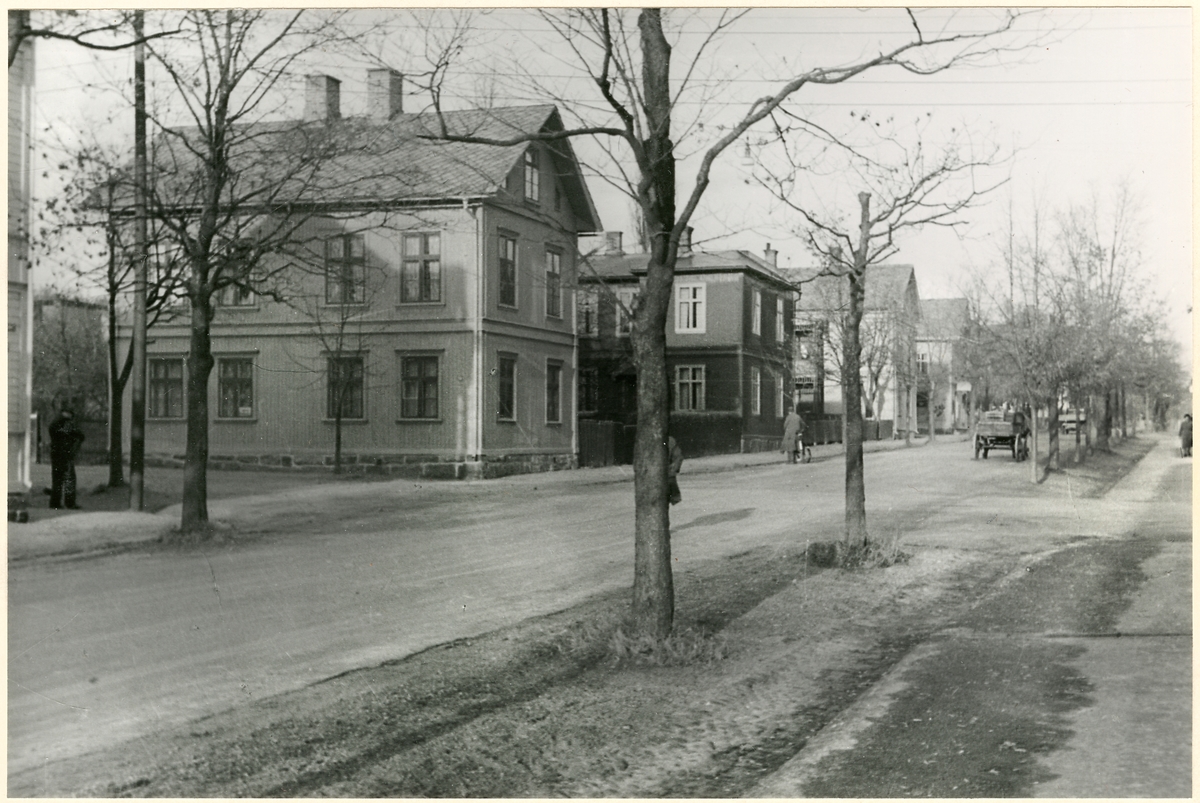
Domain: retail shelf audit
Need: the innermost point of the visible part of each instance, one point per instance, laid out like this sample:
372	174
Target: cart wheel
978	447
1021	448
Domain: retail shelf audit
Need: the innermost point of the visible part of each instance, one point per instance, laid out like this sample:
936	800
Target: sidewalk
70	533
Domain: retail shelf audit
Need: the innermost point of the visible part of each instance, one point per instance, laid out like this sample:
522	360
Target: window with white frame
238	272
756	314
589	312
781	401
806	389
235	387
344	391
923	363
234	295
508	270
779	319
553	284
165	388
689	387
804	342
345	269
755	391
553	392
533	176
689	308
626	298
589	390
419	386
506	387
421	268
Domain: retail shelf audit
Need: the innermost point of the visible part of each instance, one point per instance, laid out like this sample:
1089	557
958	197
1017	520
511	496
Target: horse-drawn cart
1002	430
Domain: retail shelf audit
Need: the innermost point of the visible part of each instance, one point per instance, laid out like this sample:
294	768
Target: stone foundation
426	466
761	443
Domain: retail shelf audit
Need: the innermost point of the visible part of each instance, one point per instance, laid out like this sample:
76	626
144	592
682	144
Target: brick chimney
322	98
685	242
771	255
385	94
612	243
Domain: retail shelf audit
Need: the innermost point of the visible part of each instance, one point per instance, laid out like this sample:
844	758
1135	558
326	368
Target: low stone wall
430	467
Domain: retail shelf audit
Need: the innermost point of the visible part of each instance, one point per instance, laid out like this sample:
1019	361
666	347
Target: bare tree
880	331
68	364
635	113
1069	318
913	188
89	29
339	308
231	191
81	229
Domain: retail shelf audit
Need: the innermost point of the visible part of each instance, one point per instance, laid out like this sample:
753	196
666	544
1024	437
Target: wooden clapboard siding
466	329
529	432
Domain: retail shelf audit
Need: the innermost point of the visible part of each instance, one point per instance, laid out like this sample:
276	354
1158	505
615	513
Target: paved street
109	648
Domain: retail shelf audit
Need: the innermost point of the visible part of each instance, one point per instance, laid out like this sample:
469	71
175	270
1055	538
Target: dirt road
109	649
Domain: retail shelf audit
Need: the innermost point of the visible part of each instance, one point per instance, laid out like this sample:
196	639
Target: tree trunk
195	465
652	611
340	401
1034	475
856	496
1104	429
116	402
1121	410
929	406
1089	438
1052	425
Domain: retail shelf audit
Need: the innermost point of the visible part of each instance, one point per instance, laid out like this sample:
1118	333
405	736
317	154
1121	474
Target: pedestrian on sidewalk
1185	436
65	440
793	426
674	463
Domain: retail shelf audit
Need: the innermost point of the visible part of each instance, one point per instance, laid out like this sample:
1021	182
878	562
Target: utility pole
137	401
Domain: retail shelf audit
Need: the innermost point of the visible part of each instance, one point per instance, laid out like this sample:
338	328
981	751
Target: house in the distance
431	320
941	375
728	345
888	337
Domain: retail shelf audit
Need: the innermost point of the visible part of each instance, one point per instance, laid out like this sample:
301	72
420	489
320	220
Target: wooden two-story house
944	390
888	335
432	323
728	345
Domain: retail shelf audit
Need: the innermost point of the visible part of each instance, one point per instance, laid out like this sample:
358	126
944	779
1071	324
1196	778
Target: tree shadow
717	518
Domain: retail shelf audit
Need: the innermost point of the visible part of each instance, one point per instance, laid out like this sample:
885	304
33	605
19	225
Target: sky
1105	98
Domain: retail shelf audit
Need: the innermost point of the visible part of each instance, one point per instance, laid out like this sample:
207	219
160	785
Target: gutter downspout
475	435
575	359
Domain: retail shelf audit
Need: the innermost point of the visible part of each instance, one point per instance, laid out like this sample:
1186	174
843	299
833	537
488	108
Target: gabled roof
625	266
883	286
943	318
361	161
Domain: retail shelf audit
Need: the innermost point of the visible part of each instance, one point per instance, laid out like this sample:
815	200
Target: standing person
674	463
793	425
65	439
1185	436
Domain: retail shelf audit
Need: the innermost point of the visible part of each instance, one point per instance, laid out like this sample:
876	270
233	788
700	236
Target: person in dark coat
1185	436
65	439
674	463
793	425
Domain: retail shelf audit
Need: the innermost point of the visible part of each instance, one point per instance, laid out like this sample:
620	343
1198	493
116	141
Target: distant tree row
1064	320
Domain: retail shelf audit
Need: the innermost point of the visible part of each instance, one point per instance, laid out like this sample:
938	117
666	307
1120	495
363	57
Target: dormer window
533	176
